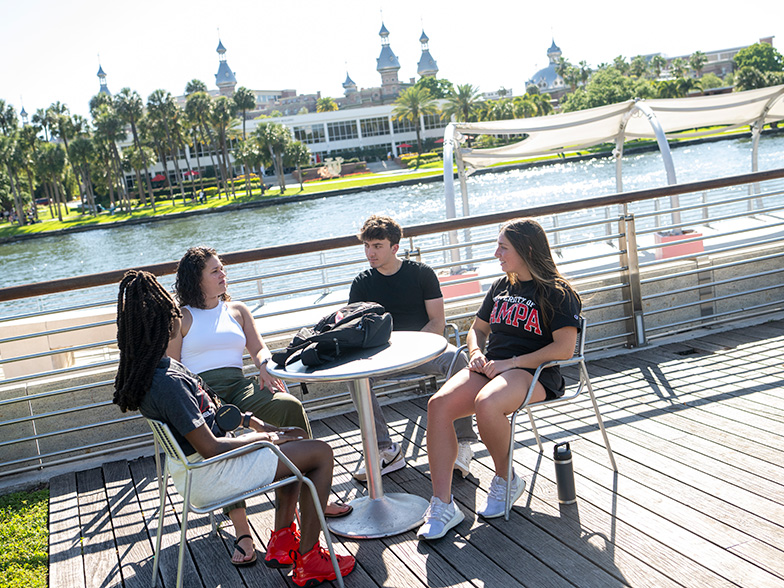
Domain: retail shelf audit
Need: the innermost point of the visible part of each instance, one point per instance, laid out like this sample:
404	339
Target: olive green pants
280	409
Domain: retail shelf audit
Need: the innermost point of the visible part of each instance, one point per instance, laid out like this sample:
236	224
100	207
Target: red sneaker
280	546
315	566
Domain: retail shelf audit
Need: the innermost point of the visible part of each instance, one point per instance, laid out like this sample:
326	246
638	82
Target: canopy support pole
450	139
461	175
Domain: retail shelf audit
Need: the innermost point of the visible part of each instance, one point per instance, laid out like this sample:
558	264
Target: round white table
377	514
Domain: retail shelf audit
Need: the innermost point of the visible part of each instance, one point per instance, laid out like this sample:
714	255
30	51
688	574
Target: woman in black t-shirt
528	317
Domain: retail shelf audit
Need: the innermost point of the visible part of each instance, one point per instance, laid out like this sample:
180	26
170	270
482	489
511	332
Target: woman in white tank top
214	333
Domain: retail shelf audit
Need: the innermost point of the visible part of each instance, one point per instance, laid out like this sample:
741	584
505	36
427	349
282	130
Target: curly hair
146	317
377	228
187	284
529	240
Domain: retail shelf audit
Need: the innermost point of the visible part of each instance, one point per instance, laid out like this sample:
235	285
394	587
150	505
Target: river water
132	246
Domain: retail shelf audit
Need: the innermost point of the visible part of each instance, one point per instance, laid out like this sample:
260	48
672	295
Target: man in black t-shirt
410	292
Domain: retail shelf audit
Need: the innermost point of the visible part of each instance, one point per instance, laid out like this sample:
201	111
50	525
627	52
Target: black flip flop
339	504
243	564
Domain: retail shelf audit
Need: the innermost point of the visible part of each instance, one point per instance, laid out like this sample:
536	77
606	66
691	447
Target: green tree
198	108
109	131
131	109
749	78
244	101
411	105
461	103
697	61
761	56
164	113
326	104
296	155
711	80
678	67
638	67
222	118
195	86
658	63
10	155
274	138
438	88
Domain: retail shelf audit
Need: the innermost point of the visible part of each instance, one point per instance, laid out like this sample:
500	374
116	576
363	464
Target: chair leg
534	429
510	467
161	510
184	529
584	372
324	529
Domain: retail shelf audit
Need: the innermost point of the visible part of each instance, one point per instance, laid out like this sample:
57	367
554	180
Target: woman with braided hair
163	389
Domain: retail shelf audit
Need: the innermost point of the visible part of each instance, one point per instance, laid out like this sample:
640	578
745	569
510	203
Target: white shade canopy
570	131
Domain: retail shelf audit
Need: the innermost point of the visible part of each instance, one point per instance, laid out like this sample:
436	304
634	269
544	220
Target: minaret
102	77
388	65
23	116
349	87
427	65
224	79
554	53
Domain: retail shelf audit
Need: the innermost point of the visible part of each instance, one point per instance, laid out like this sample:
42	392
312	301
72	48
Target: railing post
630	271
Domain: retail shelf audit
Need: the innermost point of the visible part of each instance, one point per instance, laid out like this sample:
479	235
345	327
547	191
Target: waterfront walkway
698	433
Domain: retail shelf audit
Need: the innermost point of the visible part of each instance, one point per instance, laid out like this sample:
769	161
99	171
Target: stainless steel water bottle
564	473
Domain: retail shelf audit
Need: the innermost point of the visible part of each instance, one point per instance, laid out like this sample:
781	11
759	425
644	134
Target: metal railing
637	285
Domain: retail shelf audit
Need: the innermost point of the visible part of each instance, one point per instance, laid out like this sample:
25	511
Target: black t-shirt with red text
517	326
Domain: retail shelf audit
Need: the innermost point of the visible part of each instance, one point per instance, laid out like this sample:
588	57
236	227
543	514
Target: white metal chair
163	437
571	393
424	380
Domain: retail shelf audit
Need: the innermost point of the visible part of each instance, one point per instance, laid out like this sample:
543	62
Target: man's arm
436	316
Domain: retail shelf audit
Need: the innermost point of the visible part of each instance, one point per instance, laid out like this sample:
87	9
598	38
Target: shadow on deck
698	433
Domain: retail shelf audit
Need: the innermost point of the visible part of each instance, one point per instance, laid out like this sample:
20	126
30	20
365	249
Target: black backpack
355	326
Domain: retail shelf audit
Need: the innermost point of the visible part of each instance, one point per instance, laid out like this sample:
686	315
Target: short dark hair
379	227
187	284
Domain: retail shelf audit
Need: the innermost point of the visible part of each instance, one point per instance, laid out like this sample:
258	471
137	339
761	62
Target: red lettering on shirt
532	324
505	313
520	314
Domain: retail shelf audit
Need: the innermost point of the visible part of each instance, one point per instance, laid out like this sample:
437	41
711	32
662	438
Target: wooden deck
698	434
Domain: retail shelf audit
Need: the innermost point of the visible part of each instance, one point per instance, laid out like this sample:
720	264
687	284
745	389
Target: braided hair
146	315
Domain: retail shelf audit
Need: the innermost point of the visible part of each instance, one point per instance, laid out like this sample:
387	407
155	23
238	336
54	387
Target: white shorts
226	479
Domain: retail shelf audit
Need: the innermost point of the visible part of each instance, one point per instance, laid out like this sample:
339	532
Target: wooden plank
133	544
100	552
550	532
66	569
145	481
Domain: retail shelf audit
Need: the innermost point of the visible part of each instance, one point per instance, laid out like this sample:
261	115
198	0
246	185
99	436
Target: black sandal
248	563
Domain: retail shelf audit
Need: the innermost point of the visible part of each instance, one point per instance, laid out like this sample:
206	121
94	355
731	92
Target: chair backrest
579	346
166	440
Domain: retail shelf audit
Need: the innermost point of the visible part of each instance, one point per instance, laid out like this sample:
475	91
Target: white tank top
215	340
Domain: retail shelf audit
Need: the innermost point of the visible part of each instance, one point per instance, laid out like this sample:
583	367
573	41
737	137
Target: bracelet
246	419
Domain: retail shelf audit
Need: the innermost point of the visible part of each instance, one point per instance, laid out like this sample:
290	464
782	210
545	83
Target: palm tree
461	102
164	112
297	154
82	152
198	108
110	130
131	109
412	104
658	63
12	154
61	126
195	86
244	100
326	104
274	137
697	61
222	118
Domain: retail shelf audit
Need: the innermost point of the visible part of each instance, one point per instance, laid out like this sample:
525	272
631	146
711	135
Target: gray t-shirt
177	398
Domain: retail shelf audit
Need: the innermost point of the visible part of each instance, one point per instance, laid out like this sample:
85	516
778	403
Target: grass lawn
164	207
24	536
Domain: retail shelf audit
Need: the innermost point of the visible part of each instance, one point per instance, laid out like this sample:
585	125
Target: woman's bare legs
495	401
454	400
314	459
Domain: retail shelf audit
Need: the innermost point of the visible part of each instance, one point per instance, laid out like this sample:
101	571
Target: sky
51	48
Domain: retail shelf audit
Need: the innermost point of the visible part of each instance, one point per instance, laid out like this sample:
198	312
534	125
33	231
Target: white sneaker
439	518
496	497
391	460
464	456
